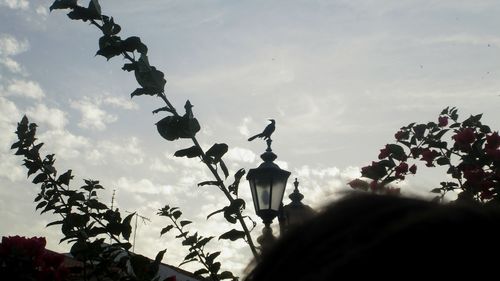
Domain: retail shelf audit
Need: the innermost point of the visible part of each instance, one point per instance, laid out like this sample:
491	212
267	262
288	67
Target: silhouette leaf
191	152
134	43
126	228
203	183
63	4
233	235
224	168
166	229
65	178
217	151
233	188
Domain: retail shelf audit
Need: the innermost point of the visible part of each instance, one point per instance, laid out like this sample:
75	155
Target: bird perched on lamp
268	131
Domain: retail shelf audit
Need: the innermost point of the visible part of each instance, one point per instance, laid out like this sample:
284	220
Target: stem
223	188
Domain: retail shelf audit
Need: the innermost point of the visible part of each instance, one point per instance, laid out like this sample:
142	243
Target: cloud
53	117
243	128
119	102
238	154
126	151
15	4
141	186
64	143
25	88
10	46
158	165
42	10
93	117
12	65
9	166
463	38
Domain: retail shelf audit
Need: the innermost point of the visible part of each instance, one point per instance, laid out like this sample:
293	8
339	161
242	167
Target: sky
340	77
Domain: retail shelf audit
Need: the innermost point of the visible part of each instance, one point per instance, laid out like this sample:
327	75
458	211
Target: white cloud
12	65
54	117
158	165
126	151
243	128
120	102
15	4
42	10
9	166
93	117
65	143
25	88
238	154
141	186
10	46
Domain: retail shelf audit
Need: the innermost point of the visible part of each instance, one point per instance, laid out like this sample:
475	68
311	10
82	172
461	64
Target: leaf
40	178
126	228
226	275
54	223
233	188
443	161
110	27
359	184
193	151
159	256
95	8
224	168
142	91
204	241
436	190
184	223
216	183
65	178
110	46
397	152
217	151
166	229
134	43
130	67
41	205
216	212
168	127
188	127
81	13
190	255
200	272
177	214
233	235
63	4
215	267
210	258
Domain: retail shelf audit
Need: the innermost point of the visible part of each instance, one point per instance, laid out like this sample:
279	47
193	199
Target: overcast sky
340	77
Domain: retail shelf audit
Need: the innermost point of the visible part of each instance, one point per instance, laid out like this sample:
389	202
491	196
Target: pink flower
429	156
401	169
384	153
464	138
493	141
442	121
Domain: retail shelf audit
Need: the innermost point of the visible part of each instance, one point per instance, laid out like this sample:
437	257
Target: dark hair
387	237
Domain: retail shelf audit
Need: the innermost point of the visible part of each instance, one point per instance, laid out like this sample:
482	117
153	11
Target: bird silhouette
268	131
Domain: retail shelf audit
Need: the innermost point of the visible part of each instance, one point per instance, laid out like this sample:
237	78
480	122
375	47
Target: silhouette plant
95	217
470	153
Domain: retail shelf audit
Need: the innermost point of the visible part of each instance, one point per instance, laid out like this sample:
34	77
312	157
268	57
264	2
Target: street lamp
267	184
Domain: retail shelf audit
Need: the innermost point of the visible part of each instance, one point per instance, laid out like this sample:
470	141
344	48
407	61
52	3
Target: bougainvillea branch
469	150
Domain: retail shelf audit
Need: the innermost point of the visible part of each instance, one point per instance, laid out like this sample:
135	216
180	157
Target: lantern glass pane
277	193
252	189
263	194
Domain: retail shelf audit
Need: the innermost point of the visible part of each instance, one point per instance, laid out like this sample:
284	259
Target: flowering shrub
469	149
24	258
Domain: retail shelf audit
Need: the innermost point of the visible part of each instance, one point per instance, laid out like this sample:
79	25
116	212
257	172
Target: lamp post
267	184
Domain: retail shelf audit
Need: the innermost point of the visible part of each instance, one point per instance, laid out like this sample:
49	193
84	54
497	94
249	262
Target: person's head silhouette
387	237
